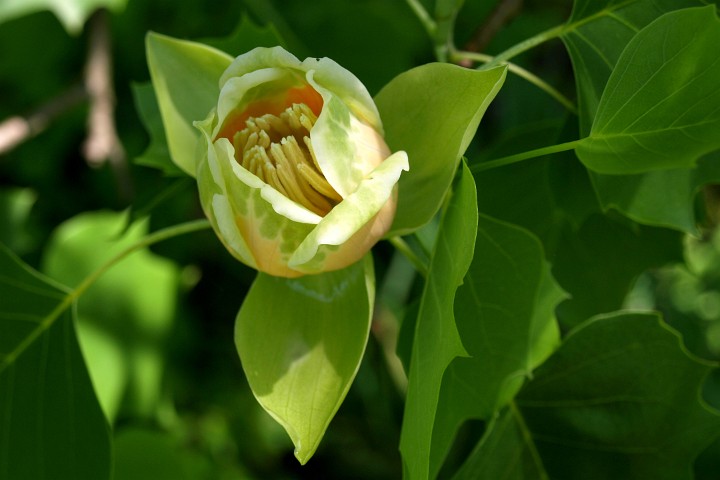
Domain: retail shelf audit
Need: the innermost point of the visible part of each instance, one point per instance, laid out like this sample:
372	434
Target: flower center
277	150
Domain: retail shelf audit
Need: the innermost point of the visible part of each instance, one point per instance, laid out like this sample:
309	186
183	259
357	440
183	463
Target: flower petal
347	150
259	228
350	225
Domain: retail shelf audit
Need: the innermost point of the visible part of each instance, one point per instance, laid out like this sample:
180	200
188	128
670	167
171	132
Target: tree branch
18	129
503	13
102	143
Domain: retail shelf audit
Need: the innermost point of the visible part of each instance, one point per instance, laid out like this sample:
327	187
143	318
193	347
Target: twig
17	129
467	58
502	14
102	143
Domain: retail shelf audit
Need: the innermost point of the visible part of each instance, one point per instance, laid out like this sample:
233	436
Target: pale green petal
346	149
259	228
258	59
341	82
234	92
350	215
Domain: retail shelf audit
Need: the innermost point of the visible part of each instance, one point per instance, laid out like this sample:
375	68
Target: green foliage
186	79
660	108
124	318
432	112
51	421
437	341
528	289
607	404
301	353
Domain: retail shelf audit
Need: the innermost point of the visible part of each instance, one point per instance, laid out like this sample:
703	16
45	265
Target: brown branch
18	129
102	143
503	13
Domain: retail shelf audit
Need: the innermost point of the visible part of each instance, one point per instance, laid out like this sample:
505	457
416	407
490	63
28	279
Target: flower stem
520	72
519	157
423	16
526	45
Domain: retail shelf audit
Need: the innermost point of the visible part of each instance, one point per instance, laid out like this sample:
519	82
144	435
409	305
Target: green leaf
598	263
71	13
505	316
432	112
51	423
664	198
186	77
437	341
301	342
661	106
619	399
596	34
124	318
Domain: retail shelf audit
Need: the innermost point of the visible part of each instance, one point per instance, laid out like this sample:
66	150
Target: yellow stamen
270	148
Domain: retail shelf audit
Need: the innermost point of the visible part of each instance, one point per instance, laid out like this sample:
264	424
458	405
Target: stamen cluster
277	149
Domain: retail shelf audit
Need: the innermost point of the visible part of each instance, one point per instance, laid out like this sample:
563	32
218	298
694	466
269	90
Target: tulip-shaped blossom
297	178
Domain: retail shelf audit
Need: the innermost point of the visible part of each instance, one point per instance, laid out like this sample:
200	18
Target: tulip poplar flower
296	178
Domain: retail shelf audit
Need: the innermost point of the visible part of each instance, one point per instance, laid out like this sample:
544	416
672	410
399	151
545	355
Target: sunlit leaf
432	112
437	341
186	77
301	342
51	424
661	106
505	316
125	316
596	34
71	13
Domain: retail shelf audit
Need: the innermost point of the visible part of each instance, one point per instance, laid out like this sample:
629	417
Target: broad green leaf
505	316
661	106
619	399
186	77
51	425
663	198
655	198
596	34
437	341
71	13
598	263
301	342
125	316
432	112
